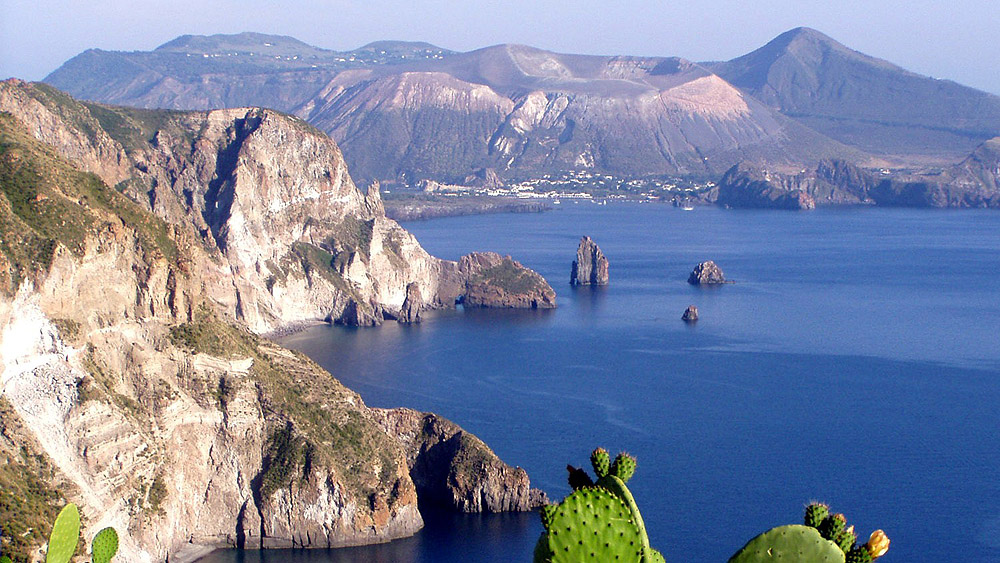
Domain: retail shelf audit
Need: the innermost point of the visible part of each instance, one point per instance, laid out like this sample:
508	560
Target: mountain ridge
862	100
625	115
525	112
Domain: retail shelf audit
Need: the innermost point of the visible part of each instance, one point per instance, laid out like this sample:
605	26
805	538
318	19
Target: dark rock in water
750	186
453	468
498	281
412	304
706	273
590	266
690	315
360	314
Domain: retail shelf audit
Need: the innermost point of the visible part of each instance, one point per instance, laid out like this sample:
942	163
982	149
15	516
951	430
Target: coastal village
579	185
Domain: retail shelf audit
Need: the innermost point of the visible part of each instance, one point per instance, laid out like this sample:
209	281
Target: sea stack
412	304
690	315
706	273
590	266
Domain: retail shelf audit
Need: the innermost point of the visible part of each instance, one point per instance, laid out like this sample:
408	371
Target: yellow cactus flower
878	544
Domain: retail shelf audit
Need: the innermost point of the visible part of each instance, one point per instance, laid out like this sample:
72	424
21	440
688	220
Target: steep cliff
746	185
267	195
128	355
453	468
498	281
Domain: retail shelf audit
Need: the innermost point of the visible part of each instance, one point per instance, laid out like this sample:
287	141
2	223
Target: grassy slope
29	500
45	202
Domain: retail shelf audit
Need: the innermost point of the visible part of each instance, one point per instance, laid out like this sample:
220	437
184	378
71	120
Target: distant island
802	121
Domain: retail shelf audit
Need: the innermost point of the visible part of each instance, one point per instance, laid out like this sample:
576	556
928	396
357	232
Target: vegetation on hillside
29	502
46	203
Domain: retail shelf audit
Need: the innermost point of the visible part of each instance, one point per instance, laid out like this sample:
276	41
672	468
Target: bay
855	360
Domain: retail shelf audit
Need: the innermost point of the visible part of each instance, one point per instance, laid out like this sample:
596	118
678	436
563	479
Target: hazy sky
958	40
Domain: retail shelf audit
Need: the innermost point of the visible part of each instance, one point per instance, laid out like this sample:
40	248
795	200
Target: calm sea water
854	361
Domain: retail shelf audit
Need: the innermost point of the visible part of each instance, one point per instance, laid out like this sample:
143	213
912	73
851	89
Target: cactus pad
846	539
652	556
859	554
789	544
65	535
623	467
105	545
816	513
832	525
591	524
601	462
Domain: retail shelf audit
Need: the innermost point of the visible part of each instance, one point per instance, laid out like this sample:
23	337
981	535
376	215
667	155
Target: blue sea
855	360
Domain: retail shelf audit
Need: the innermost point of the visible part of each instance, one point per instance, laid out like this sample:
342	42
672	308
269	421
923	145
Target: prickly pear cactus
105	545
846	539
612	526
789	544
623	467
590	525
816	513
601	462
832	525
65	535
860	555
825	538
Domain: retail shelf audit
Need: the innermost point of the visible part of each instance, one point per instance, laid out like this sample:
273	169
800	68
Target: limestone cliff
268	196
133	382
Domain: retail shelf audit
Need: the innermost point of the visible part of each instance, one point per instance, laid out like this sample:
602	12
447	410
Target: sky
957	40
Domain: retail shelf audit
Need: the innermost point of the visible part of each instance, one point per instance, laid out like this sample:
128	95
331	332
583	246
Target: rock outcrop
749	186
414	302
690	314
128	353
706	273
498	281
590	266
268	196
974	182
454	468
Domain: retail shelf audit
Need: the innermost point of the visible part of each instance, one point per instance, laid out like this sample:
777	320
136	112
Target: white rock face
255	187
189	441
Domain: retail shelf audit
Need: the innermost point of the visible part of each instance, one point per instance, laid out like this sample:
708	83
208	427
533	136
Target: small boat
687	208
